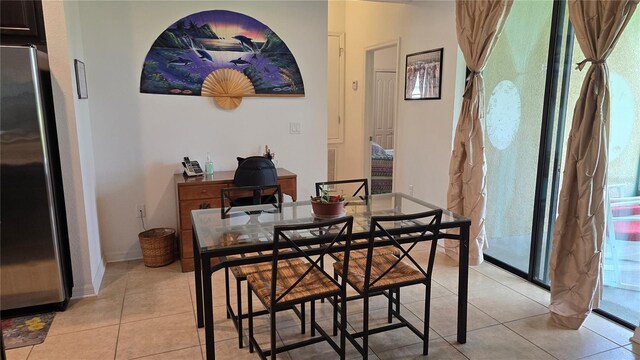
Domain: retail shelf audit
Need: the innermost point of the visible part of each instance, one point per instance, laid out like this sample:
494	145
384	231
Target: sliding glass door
514	85
531	88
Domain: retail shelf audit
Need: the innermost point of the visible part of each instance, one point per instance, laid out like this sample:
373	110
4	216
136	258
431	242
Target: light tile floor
144	313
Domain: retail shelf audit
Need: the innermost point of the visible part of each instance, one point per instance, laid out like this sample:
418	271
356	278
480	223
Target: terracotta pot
332	209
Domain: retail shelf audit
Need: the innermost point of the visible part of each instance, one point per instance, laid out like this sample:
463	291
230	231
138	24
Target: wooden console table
203	192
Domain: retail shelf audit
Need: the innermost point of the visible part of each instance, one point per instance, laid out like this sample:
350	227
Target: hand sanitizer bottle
208	166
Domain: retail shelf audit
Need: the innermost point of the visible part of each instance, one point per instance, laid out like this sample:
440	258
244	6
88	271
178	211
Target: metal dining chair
267	194
362	190
256	183
285	286
250	195
375	274
364	186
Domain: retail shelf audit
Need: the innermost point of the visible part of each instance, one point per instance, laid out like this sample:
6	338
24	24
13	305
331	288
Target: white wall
424	131
64	42
140	138
336	11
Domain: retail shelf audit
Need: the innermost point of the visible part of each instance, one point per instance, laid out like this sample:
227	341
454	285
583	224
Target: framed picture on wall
81	79
423	75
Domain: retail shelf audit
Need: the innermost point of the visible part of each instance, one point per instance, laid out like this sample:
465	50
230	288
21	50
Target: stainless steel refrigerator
35	266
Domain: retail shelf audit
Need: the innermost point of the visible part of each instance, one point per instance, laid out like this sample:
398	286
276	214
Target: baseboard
122	256
90	290
99	275
83	292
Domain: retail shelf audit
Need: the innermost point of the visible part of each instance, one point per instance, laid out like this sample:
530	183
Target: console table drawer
200	191
186	206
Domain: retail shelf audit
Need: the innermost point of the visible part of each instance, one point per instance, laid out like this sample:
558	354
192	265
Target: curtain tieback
467	85
582	63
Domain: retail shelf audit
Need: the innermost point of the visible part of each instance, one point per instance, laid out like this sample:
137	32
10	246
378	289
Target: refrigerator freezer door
30	267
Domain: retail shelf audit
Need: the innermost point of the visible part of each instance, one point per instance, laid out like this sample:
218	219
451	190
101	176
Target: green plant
326	198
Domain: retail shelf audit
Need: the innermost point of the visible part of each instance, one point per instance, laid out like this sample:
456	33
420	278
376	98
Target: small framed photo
81	79
423	75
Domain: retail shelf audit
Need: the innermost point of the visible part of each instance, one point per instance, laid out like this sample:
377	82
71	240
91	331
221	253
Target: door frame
341	89
369	74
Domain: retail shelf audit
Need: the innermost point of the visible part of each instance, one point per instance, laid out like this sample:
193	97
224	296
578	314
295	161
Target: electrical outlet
140	211
411	190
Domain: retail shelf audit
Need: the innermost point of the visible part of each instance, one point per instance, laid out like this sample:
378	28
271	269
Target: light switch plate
294	128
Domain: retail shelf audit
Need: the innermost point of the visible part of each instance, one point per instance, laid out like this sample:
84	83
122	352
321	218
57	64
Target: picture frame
81	79
423	75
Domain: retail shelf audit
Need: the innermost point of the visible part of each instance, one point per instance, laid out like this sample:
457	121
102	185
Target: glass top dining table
222	242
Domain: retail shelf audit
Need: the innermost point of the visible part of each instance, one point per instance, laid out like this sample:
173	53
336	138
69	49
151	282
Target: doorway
381	81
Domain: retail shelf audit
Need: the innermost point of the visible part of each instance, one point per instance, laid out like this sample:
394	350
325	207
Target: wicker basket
157	246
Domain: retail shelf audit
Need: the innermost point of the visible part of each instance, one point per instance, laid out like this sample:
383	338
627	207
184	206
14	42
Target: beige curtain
576	256
479	24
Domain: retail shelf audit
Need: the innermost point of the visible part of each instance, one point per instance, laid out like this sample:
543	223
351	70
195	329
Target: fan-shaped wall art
222	54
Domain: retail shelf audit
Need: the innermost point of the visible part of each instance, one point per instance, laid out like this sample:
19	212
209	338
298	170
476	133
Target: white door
383	117
383	108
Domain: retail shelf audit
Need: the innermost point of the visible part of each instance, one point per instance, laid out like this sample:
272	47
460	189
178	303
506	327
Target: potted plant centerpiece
326	205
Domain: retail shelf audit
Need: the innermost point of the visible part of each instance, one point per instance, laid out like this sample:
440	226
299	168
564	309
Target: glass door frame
550	156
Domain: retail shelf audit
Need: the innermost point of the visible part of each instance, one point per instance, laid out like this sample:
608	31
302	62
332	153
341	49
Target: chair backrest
255	171
249	195
361	185
416	228
306	240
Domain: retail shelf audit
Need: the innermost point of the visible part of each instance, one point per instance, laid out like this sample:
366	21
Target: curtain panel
576	256
479	25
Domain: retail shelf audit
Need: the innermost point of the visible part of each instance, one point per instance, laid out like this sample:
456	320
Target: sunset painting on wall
214	52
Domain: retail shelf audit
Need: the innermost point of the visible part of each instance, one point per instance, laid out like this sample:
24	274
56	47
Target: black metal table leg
198	275
208	308
463	282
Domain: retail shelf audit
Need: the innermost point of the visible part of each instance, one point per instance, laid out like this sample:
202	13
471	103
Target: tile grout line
631	348
165	352
468	304
528	297
606	337
520	319
30	351
156	317
585	327
124	294
527	340
455	334
81	330
131	322
501	324
602	352
195	316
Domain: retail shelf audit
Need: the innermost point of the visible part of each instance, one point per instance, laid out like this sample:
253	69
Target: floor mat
26	330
